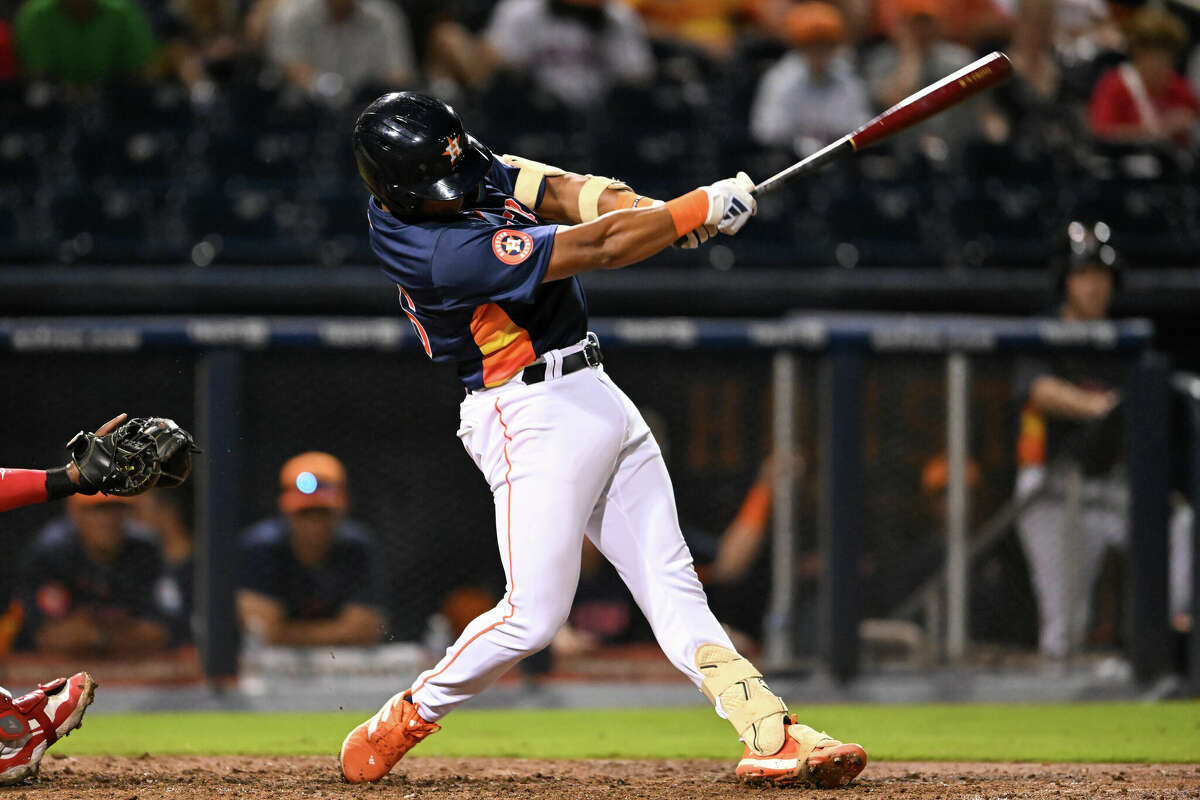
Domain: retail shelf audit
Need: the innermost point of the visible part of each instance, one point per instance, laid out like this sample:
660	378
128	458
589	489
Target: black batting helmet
1087	245
412	147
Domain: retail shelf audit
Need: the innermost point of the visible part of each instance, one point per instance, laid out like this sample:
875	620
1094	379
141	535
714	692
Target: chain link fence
390	416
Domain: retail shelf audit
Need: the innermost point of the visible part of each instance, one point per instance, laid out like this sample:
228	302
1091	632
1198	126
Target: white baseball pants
568	457
1104	522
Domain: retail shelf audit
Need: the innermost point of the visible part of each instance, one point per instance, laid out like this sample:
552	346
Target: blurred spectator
84	41
8	52
576	50
308	577
915	55
973	23
204	42
812	95
1144	98
168	514
88	582
1059	395
451	55
335	48
709	25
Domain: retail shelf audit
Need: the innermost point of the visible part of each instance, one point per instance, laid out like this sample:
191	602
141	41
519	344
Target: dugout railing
859	399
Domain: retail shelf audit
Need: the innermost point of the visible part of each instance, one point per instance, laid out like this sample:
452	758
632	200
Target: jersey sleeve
1026	372
489	264
21	487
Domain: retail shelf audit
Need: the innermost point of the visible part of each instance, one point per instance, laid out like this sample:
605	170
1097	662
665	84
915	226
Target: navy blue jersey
269	567
472	285
59	579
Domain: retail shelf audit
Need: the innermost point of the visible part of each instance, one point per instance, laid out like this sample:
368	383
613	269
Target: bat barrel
967	82
933	99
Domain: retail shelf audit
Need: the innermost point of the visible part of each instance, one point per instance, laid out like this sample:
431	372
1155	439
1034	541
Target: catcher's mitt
142	453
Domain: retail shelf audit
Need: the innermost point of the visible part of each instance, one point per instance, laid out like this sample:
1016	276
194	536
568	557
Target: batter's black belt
589	356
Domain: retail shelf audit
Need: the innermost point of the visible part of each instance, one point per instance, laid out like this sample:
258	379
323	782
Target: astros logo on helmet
453	150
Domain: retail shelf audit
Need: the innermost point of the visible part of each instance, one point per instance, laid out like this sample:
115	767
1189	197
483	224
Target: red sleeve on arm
21	487
1111	104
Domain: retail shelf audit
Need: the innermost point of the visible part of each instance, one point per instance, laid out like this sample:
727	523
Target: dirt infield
192	778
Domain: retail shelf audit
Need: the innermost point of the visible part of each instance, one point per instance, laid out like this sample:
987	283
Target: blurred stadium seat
208	168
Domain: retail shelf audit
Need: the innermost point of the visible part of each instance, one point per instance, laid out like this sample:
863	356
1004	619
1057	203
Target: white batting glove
731	204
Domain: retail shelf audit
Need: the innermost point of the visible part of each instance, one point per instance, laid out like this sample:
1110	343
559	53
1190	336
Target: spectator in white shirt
812	95
574	49
335	47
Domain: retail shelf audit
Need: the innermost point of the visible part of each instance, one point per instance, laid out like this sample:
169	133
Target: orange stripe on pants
512	573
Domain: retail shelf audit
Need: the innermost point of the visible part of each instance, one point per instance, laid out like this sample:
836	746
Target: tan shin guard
755	712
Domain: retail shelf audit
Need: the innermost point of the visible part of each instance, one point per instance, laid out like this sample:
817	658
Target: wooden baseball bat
951	90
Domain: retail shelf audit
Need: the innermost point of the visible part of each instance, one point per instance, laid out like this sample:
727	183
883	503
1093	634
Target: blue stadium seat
278	159
22	154
145	155
136	106
23	237
107	225
1148	199
246	225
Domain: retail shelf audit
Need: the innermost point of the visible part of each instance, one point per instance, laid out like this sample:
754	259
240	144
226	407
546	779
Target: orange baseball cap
914	8
312	480
812	23
97	499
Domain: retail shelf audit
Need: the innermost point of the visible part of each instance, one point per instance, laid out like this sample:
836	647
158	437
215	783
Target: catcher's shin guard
33	722
738	690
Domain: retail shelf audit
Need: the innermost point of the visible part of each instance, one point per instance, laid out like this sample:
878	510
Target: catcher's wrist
61	482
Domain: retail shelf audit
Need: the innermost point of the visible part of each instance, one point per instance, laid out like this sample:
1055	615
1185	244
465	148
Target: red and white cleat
808	757
373	748
31	723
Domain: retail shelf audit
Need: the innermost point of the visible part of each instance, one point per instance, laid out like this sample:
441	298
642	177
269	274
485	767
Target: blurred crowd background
215	131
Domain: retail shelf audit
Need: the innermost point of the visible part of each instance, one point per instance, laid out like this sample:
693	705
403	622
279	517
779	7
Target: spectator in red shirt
1144	98
8	53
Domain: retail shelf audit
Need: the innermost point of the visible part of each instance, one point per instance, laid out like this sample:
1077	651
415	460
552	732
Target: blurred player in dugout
1059	395
308	576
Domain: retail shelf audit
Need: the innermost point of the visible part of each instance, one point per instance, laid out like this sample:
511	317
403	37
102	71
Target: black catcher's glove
142	453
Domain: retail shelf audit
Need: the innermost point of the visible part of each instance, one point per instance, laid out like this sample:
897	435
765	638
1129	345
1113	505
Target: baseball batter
485	251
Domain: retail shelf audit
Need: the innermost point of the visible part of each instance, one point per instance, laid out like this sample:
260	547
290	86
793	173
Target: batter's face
441	208
312	533
1089	292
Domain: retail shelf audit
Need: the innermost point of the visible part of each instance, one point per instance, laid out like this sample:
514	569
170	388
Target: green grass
1086	732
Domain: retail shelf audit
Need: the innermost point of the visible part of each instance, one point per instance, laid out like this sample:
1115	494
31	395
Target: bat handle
829	153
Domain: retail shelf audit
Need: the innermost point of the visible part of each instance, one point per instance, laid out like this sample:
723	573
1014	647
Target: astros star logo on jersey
453	150
512	246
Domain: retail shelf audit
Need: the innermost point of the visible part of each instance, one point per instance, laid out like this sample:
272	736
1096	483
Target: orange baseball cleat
33	722
374	747
808	757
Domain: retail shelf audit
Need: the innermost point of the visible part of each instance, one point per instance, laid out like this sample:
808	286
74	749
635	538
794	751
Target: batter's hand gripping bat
951	90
